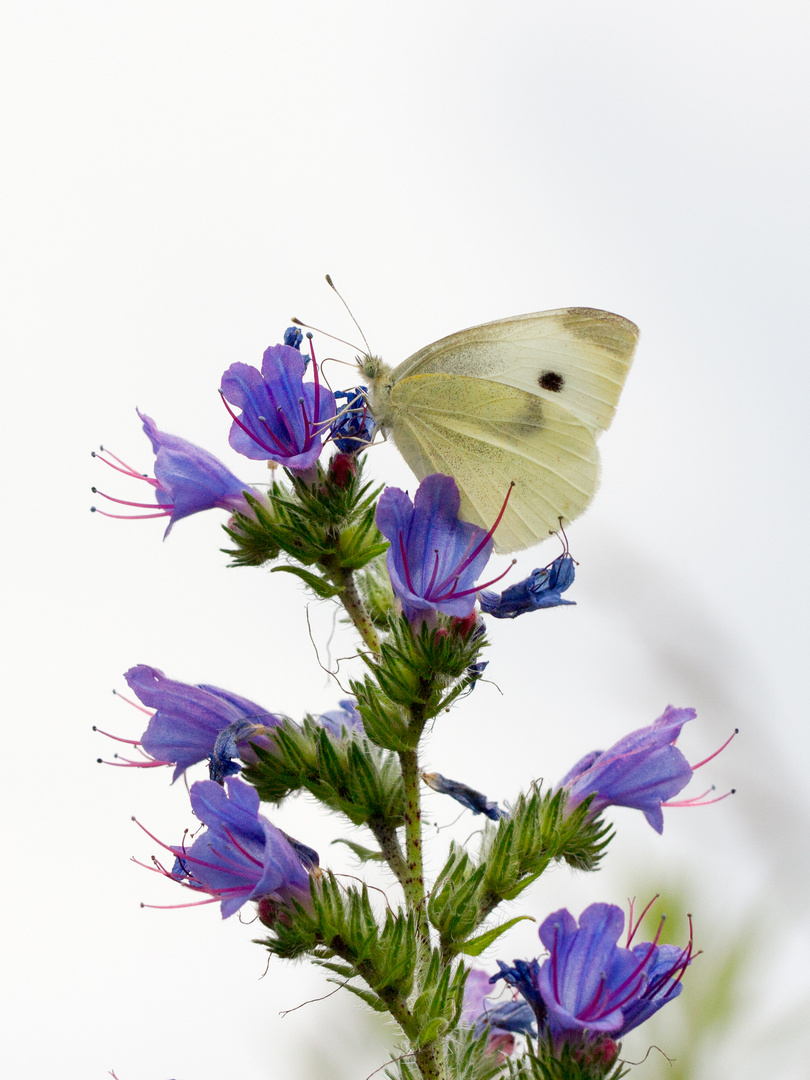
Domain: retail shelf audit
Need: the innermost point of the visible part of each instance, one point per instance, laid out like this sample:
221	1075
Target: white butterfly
519	400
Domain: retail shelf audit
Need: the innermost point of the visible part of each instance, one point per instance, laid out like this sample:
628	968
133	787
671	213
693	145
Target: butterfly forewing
488	436
576	357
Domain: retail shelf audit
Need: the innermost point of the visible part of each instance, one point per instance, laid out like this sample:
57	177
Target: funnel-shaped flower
188	719
241	856
640	771
589	983
434	559
187	480
590	987
283	419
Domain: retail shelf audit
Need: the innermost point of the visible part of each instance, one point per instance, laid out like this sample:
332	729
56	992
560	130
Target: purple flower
541	589
589	986
188	720
282	418
187	480
433	559
589	983
467	796
345	719
241	856
642	771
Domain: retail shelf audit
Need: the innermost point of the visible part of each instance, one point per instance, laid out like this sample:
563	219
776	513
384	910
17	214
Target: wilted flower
541	589
187	480
241	856
434	559
353	429
467	796
283	419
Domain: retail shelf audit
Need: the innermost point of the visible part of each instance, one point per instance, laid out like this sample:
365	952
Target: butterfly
517	403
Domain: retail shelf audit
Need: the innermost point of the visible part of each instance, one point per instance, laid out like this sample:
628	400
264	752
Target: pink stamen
317	387
246	430
135	704
130	517
128	502
486	585
719	751
701	800
127	763
127	470
429	589
117	738
283	448
632	928
405	566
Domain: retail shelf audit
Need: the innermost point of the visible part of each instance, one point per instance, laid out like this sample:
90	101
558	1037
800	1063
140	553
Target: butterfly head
371	367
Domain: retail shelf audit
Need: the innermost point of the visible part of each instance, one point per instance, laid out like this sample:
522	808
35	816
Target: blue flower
434	559
589	983
541	589
641	771
241	856
187	480
353	429
467	796
283	419
589	987
189	720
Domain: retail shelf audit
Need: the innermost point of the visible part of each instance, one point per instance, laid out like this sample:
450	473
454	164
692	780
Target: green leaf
364	854
475	946
322	588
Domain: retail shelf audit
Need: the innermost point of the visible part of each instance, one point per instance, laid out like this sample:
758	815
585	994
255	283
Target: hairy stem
386	837
413	883
353	603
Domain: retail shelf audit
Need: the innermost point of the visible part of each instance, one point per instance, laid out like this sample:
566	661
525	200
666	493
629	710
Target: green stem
430	1062
386	837
413	883
353	603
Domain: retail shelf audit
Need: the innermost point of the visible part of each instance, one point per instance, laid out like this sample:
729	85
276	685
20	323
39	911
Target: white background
178	177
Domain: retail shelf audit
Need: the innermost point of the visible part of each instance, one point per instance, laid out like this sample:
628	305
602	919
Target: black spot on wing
551	380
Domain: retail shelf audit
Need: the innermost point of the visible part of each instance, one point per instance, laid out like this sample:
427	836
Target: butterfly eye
551	380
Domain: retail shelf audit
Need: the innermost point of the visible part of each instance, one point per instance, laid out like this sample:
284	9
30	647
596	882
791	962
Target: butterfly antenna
306	326
334	288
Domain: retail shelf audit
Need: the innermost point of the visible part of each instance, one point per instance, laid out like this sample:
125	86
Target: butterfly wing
488	435
576	357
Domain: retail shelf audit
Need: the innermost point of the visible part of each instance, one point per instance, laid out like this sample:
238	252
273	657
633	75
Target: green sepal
475	946
581	1062
342	925
519	848
349	774
326	523
413	678
468	1057
438	1007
